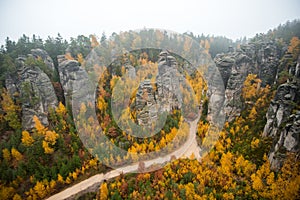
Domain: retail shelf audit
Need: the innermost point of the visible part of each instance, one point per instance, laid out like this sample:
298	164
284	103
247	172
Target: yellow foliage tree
47	149
80	58
40	189
10	110
27	140
38	125
60	179
6	192
61	109
68	56
103	191
253	113
251	87
294	47
94	42
16	154
6	154
50	137
17	197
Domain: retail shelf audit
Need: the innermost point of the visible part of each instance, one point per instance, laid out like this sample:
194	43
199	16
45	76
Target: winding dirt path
92	184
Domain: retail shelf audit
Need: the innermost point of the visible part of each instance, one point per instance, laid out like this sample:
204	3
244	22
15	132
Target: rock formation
260	58
36	92
74	80
40	53
146	104
165	97
168	83
234	68
283	119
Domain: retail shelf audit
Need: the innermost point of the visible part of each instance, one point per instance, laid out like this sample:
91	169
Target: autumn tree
49	137
250	86
103	191
68	56
11	110
294	47
80	58
27	139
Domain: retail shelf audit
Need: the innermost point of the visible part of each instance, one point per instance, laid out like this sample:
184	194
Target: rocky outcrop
168	83
291	133
73	78
261	58
280	108
40	53
283	120
234	68
36	93
11	84
131	71
146	104
166	95
39	95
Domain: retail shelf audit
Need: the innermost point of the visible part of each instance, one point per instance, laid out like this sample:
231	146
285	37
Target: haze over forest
233	19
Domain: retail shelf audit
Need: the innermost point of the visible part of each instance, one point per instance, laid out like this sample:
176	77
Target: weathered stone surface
287	139
146	105
131	71
168	83
234	74
165	97
74	79
280	109
11	85
292	133
36	92
283	121
36	53
40	53
261	58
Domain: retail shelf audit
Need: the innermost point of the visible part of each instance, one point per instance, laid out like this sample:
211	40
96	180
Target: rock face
280	108
165	97
283	121
234	68
259	58
36	92
168	83
73	79
146	105
40	53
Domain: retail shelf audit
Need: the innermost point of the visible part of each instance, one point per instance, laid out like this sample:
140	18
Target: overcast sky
230	18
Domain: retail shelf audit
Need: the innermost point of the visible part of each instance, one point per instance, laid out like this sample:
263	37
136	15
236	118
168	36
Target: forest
49	156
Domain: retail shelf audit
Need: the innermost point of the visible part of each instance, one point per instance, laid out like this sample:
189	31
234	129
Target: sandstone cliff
261	58
283	118
35	89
